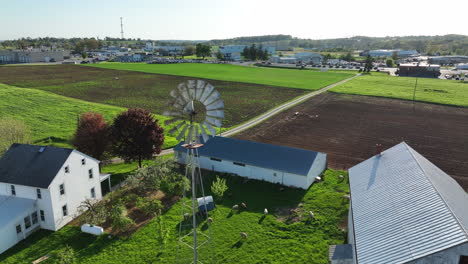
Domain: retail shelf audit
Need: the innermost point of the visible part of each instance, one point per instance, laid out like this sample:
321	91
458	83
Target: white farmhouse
42	187
404	209
277	164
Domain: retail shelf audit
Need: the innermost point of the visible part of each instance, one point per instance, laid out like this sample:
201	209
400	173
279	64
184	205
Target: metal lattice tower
197	110
121	28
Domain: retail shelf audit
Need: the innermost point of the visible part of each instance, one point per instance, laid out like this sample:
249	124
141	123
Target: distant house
42	187
389	53
404	209
277	164
419	70
29	56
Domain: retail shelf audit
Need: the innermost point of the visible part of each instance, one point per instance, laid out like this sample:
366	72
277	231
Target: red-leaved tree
136	135
92	135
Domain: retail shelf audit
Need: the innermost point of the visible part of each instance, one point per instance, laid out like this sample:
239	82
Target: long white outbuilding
277	164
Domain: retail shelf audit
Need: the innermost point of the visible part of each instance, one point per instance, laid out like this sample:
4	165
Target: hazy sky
214	19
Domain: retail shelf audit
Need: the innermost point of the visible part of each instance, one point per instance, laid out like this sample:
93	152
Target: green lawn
52	118
438	91
311	80
269	240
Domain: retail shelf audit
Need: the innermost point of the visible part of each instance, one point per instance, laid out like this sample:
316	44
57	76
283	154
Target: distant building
462	66
43	187
233	52
170	50
419	70
404	209
29	56
309	57
277	164
389	53
448	59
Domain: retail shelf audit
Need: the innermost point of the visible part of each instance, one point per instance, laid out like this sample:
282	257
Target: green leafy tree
13	131
149	206
218	188
368	66
219	56
119	218
189	50
202	50
390	62
395	55
84	55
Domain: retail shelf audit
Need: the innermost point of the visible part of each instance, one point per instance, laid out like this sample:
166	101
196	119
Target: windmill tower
197	110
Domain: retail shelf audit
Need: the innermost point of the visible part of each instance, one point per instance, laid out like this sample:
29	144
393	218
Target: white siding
77	187
258	173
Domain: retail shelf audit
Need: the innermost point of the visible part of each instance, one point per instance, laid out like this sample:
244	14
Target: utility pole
414	95
121	28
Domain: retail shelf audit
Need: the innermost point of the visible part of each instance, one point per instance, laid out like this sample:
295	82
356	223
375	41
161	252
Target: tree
395	55
94	213
84	55
203	50
326	58
13	131
119	218
136	135
390	62
149	206
189	50
218	188
368	66
219	56
92	135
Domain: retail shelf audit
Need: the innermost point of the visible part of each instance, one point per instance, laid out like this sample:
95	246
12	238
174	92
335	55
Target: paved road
272	112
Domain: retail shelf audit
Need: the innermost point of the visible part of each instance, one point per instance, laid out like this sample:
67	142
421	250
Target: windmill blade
184	91
204	134
192	89
182	133
173	120
214	96
215	105
173	113
176	128
200	89
213	121
210	128
215	113
206	92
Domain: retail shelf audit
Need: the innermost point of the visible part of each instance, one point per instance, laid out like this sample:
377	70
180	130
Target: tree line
254	53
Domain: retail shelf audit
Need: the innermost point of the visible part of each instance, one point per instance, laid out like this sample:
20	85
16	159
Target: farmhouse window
239	164
67	169
42	215
18	229
463	260
93	193
13	190
216	159
274	173
62	189
27	222
90	173
83	161
64	210
34	218
39	194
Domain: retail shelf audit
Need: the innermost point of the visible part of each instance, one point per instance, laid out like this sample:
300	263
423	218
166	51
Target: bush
119	218
130	198
148	206
218	188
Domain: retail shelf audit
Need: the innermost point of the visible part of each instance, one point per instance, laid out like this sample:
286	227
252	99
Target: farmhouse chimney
378	149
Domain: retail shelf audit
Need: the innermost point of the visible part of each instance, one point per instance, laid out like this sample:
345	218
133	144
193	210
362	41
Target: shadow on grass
261	219
238	244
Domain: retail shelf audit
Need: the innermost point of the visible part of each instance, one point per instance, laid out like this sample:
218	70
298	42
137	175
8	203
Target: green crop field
438	91
52	118
310	80
278	238
150	91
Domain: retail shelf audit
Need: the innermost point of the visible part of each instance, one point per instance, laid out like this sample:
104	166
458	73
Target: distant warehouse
277	164
29	56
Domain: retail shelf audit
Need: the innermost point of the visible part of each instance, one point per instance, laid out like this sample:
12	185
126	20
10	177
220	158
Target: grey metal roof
340	252
11	207
286	159
24	165
405	208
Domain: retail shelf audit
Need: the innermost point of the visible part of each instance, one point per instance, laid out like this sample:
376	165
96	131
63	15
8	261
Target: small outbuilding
277	164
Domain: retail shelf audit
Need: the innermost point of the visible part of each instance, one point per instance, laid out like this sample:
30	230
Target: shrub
119	219
130	198
218	187
13	131
148	206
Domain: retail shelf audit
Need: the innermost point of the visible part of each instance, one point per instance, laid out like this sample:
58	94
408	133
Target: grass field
52	118
428	90
310	80
150	91
274	239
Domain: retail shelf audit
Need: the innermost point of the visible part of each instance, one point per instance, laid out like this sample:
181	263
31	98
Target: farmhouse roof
25	165
286	159
404	207
12	207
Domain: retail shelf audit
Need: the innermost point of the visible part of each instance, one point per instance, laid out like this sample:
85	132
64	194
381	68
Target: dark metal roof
286	159
24	165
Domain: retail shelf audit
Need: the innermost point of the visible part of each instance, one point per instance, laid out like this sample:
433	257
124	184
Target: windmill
196	111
